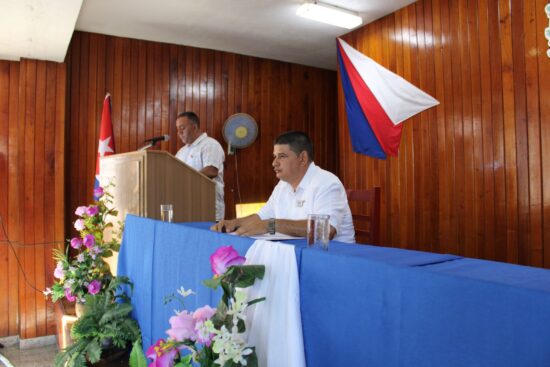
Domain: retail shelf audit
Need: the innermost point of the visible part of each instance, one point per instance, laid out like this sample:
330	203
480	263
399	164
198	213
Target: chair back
365	209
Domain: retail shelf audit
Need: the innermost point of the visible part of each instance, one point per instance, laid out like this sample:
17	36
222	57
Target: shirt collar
304	183
198	140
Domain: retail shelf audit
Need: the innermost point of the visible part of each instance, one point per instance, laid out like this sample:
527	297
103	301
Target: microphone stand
148	145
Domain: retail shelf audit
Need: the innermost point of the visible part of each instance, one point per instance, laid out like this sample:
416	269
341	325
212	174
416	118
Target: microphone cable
237	177
12	247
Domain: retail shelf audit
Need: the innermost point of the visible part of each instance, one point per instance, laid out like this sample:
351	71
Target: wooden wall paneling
92	133
14	199
49	182
535	255
124	141
27	170
29	330
510	147
159	80
544	92
39	189
516	27
4	194
470	177
488	249
498	134
466	233
477	236
84	154
432	138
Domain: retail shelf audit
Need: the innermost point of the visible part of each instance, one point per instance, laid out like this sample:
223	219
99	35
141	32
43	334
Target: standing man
202	153
303	189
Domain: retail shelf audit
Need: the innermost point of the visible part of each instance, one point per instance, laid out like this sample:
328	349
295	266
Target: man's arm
296	228
209	171
230	225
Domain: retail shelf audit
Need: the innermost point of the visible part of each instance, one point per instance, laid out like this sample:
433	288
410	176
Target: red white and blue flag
106	138
377	102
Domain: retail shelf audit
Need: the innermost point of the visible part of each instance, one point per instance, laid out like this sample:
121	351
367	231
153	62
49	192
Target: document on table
272	237
275	237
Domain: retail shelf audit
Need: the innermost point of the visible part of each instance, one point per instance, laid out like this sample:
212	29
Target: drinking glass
166	212
318	230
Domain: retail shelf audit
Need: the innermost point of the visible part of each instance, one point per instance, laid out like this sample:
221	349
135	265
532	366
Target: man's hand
253	226
225	226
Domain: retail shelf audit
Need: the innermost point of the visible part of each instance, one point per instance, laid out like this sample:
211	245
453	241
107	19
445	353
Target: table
362	305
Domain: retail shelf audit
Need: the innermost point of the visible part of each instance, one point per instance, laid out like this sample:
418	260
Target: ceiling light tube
329	14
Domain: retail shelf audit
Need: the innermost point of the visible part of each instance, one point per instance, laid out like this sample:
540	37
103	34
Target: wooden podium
144	180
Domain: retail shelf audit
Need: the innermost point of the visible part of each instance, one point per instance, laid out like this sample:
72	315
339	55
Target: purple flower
204	313
160	356
183	327
98	192
76	242
223	258
80	211
70	297
79	225
80	257
94	286
89	241
92	210
59	273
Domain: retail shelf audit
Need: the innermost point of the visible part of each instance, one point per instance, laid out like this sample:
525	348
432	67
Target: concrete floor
32	357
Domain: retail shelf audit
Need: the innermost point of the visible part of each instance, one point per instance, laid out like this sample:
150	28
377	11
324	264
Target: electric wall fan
239	131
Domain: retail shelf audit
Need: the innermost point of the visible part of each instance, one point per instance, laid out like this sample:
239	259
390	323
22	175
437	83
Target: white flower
230	346
185	293
47	292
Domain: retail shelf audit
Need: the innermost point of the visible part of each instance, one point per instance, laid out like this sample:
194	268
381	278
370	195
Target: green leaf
137	357
250	303
213	283
93	351
252	359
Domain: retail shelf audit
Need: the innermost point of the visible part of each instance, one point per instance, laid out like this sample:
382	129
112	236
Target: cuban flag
377	102
106	139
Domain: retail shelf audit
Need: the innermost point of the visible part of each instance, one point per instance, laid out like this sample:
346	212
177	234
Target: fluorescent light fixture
329	14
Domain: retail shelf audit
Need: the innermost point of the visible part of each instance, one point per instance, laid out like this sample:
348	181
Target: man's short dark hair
298	141
192	116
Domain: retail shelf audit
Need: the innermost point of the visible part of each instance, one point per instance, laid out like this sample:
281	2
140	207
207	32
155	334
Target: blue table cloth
361	305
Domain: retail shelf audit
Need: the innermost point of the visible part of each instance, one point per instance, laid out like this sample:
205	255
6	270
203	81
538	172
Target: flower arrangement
86	272
209	336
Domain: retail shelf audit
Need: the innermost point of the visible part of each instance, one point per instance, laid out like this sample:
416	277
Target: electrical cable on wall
237	179
12	247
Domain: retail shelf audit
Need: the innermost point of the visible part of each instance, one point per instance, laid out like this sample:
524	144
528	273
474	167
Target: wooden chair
365	209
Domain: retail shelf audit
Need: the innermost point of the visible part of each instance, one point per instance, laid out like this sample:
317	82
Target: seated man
303	189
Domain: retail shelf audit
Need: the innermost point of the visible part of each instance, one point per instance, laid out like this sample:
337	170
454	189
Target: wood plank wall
473	174
32	133
151	82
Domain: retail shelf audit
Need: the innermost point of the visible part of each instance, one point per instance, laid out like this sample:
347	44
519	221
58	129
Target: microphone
156	139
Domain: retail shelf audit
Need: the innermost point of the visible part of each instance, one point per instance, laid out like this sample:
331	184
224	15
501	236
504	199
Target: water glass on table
318	230
166	213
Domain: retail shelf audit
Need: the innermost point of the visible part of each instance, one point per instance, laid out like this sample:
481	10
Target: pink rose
59	273
183	327
94	286
98	192
79	225
76	242
92	210
80	211
70	297
160	356
204	313
223	258
89	240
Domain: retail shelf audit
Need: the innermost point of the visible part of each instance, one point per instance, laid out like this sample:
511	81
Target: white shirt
204	152
319	192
